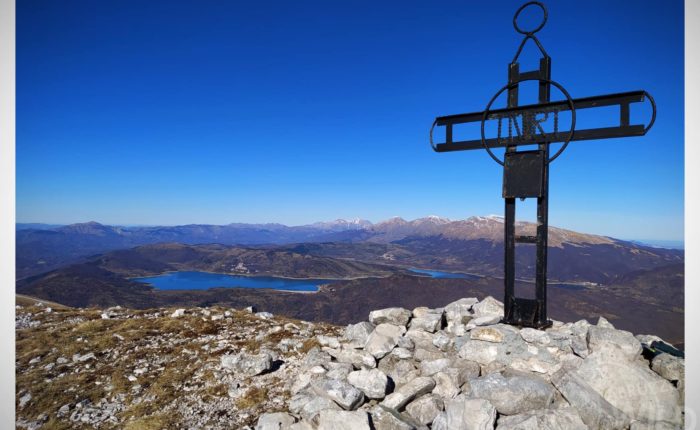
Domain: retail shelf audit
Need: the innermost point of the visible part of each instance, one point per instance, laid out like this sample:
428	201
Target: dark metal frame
526	173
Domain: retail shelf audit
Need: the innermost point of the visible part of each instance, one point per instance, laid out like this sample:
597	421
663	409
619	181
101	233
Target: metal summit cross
526	172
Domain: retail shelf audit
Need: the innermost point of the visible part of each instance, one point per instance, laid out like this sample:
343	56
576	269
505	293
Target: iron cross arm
623	129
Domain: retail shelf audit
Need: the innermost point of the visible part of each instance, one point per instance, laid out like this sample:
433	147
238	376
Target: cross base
526	313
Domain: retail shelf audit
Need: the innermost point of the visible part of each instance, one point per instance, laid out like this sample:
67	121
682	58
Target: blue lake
573	287
444	275
452	275
204	281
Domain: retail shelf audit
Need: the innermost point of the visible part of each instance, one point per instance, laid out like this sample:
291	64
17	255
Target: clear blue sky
172	112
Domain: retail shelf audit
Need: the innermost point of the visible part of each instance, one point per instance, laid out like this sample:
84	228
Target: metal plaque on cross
526	172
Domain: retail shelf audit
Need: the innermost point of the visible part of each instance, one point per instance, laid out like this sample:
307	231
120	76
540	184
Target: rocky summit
455	367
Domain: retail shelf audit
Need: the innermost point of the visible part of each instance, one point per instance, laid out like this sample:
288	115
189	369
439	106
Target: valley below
356	267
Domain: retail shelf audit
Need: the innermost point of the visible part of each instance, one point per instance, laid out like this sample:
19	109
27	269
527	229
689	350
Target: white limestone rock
512	395
543	419
274	421
383	339
409	391
343	420
357	333
372	382
464	413
602	337
343	393
395	316
670	367
248	364
425	408
488	307
631	386
594	410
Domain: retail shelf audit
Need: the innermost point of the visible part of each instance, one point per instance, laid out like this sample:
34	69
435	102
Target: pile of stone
458	367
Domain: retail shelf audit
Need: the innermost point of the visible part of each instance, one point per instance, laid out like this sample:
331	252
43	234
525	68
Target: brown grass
309	344
253	397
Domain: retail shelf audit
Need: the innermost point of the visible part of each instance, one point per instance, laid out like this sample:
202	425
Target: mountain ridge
42	250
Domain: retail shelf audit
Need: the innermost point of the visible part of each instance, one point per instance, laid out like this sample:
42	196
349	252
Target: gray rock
343	420
299	400
443	341
248	364
395	316
483	321
420	339
631	386
602	337
446	386
594	410
488	334
425	408
330	341
384	418
531	335
77	358
178	313
459	312
24	400
373	383
430	322
431	367
274	421
63	410
463	370
383	339
341	371
264	315
579	345
648	338
602	322
358	358
358	333
406	343
513	352
341	392
401	353
304	379
428	354
316	357
463	413
668	366
400	371
580	328
440	422
658	425
479	351
544	419
311	410
515	394
488	307
301	426
409	391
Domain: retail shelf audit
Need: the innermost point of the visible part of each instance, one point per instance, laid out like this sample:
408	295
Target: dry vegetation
150	370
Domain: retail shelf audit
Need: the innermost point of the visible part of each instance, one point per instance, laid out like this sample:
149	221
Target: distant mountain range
472	245
91	265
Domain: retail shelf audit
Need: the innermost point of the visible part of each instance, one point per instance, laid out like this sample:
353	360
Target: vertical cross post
526	173
522	311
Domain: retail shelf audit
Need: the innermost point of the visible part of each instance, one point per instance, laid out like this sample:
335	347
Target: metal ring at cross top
539	27
569	100
653	112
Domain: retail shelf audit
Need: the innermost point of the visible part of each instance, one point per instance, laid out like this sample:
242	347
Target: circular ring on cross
487	111
431	135
539	27
653	111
